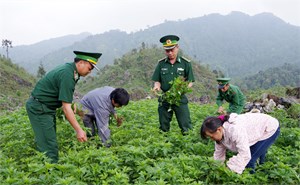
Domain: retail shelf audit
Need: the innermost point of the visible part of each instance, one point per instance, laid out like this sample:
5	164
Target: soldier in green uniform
54	90
232	94
167	70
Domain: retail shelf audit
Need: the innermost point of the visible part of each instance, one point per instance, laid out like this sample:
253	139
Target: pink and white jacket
239	133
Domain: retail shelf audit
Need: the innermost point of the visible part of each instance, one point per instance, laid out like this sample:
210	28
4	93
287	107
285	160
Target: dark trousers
182	113
89	122
43	122
259	150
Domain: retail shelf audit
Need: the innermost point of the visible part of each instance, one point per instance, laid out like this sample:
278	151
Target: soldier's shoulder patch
163	59
188	60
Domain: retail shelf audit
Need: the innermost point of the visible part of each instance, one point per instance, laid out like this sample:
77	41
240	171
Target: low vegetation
140	154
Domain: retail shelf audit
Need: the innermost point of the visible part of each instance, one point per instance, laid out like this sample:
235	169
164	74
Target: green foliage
294	111
16	85
178	89
284	118
41	71
140	154
286	75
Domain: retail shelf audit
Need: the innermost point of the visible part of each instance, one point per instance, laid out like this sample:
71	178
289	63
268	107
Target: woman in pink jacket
249	135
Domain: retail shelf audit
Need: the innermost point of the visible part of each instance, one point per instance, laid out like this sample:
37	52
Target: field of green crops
140	154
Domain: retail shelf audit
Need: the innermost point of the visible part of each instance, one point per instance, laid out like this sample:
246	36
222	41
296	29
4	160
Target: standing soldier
166	71
54	90
232	94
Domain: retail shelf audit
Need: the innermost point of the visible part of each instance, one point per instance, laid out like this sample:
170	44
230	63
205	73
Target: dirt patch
21	81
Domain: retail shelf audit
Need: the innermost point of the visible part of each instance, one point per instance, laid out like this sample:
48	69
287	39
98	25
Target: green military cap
222	82
90	57
169	41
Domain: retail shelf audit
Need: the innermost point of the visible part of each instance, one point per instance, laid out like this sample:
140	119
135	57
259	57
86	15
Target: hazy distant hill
133	71
16	85
236	43
285	75
29	56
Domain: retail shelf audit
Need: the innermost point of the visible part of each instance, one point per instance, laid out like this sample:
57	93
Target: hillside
238	44
285	75
30	56
134	70
16	85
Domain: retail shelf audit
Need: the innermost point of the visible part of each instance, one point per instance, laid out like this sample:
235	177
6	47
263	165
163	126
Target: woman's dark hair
211	124
120	96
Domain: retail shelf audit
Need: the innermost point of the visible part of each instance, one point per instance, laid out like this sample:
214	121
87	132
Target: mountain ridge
237	43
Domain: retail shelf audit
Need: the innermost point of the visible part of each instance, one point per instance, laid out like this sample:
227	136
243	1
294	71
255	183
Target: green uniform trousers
43	122
165	111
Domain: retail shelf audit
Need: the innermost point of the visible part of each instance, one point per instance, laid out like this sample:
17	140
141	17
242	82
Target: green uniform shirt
234	97
166	72
57	86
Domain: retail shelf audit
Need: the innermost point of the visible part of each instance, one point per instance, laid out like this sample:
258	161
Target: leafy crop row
140	153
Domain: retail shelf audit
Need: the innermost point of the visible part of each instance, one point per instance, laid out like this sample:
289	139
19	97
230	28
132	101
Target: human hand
156	91
221	110
119	121
81	136
156	86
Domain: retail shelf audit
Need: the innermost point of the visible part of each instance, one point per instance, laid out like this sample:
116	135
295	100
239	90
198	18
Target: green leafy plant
139	154
294	111
174	94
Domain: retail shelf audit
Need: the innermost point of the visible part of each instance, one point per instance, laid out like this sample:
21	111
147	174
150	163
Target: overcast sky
31	21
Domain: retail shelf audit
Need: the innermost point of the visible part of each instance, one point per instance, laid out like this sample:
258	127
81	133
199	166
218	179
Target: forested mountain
133	71
237	43
16	85
286	75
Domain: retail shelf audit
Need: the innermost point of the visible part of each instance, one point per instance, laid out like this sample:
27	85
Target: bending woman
249	135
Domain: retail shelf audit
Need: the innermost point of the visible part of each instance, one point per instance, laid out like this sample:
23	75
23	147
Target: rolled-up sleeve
238	163
220	152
